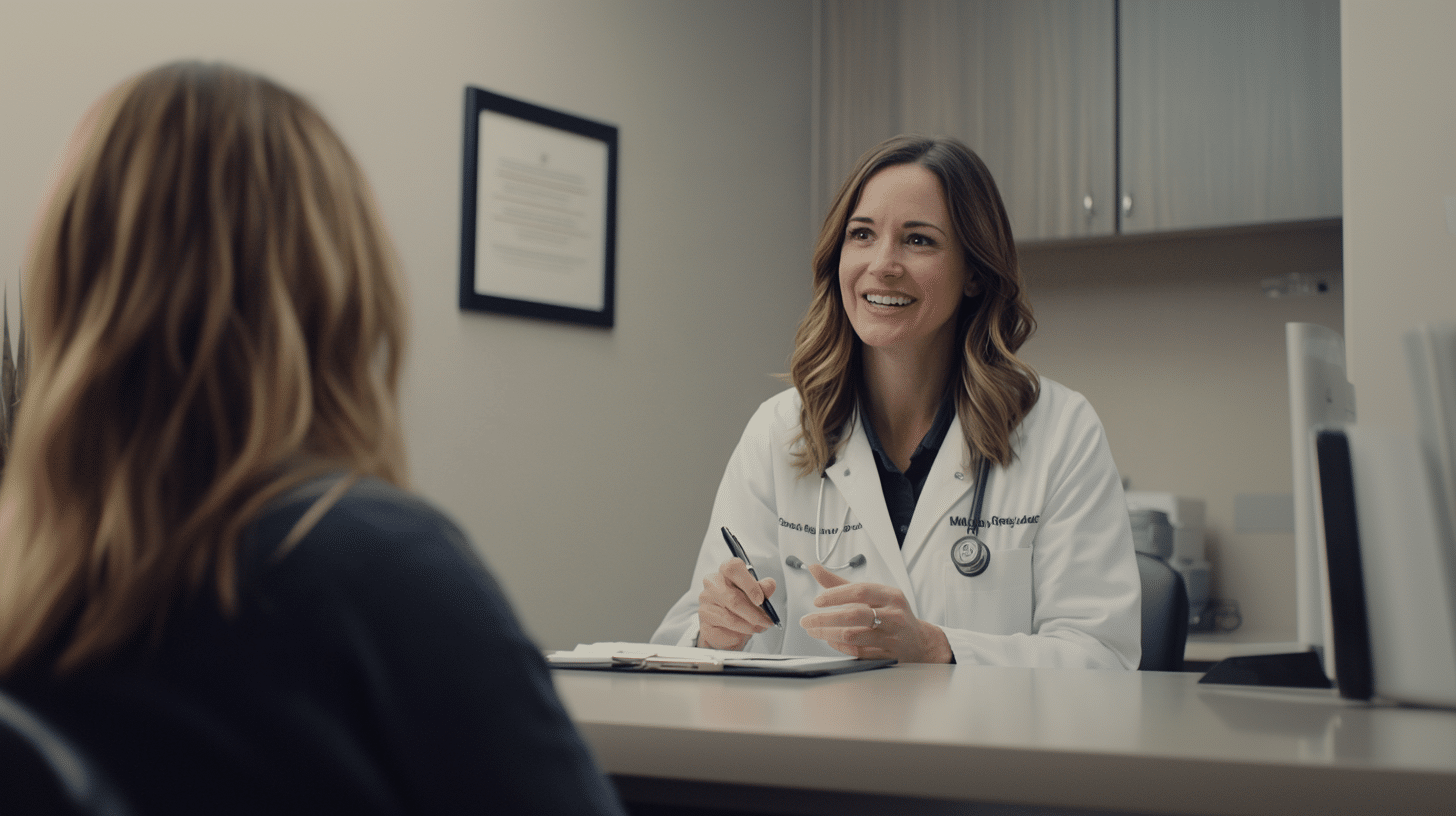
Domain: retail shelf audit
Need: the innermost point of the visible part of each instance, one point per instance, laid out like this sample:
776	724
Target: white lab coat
1062	588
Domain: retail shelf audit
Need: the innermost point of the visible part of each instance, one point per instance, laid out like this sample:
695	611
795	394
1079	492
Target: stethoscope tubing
974	563
981	476
858	560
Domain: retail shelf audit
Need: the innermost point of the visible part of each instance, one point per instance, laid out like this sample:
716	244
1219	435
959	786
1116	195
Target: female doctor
919	493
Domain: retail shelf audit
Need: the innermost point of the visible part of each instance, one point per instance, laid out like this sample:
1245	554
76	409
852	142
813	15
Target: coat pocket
998	601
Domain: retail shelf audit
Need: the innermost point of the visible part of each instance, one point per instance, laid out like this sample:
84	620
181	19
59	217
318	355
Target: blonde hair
993	389
215	318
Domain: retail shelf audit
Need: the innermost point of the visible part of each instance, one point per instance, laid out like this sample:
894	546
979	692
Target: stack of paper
651	656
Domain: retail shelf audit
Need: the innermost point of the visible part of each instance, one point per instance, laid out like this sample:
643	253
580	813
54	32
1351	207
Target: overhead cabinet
1230	112
1098	117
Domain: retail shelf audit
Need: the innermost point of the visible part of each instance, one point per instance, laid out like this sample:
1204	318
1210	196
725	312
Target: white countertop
1145	741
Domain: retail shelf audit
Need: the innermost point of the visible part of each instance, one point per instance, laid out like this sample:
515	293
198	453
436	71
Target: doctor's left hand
850	626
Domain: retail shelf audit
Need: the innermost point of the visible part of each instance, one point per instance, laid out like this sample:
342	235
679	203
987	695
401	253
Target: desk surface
1063	738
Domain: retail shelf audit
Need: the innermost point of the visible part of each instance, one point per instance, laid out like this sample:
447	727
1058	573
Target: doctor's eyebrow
864	219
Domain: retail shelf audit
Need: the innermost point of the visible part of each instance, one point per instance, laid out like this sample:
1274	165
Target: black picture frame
532	248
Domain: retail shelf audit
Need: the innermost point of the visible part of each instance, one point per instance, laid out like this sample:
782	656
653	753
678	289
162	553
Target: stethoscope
969	553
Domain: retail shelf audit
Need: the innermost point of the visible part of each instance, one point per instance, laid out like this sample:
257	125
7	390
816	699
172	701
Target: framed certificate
538	212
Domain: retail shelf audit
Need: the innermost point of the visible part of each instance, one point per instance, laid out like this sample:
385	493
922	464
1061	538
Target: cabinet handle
1127	205
1087	204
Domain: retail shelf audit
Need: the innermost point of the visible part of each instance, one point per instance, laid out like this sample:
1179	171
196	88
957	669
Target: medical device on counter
1171	528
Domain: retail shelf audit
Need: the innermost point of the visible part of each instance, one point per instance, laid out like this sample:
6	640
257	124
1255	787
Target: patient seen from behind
212	576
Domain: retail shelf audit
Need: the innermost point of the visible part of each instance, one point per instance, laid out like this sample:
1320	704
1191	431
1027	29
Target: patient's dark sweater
376	669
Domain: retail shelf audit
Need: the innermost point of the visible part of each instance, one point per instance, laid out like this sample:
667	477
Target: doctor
920	493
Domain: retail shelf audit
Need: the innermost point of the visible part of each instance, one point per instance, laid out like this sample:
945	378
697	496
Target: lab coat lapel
949	481
857	479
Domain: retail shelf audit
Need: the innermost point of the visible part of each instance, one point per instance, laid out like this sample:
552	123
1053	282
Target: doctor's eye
858	234
920	239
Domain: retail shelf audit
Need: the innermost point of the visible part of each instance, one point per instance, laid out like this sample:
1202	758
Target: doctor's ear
973	286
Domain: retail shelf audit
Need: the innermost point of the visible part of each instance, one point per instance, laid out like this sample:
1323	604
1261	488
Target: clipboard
650	657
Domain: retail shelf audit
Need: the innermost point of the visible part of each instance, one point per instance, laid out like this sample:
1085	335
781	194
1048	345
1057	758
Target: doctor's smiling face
902	272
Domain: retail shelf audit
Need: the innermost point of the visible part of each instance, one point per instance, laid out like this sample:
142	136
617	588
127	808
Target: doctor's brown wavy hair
216	318
993	389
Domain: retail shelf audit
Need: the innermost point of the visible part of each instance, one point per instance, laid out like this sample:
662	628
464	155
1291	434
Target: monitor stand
1291	670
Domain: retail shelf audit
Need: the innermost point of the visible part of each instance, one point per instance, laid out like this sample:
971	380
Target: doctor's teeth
889	300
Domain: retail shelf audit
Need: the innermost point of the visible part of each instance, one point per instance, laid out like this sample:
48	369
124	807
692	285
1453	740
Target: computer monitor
1387	511
1390	588
1338	525
1319	396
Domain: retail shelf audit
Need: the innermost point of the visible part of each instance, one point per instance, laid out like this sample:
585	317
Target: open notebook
655	657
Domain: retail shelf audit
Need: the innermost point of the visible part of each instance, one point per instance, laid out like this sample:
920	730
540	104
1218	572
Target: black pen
739	553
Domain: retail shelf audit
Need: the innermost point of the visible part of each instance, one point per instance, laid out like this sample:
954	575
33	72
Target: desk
929	739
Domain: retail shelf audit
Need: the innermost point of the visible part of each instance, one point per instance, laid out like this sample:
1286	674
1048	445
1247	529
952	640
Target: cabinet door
856	91
1230	112
1028	84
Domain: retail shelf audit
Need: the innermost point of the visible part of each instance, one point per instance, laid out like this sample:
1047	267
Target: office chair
43	774
1165	614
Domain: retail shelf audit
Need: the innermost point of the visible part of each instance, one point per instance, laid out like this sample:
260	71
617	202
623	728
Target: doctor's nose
886	261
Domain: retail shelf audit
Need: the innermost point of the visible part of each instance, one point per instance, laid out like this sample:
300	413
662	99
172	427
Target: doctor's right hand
729	607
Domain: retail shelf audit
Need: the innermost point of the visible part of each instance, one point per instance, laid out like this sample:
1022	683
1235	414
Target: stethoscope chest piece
970	555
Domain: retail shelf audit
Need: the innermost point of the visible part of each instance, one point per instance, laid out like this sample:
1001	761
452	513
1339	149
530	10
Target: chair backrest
42	773
1165	614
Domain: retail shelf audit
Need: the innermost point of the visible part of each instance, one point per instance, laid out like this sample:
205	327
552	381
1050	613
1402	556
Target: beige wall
582	461
1400	167
1183	356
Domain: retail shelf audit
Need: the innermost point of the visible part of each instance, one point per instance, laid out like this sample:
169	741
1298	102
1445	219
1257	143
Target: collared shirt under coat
902	488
